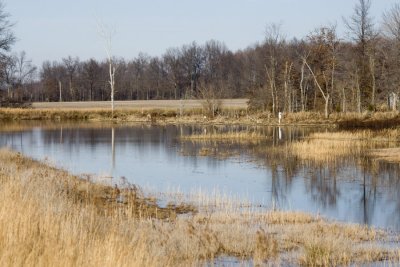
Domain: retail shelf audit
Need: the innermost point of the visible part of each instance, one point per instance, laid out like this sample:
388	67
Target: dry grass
83	114
227	115
387	154
375	120
328	146
227	136
194	115
48	217
323	147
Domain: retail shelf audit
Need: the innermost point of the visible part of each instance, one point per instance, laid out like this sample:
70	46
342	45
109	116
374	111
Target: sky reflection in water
154	157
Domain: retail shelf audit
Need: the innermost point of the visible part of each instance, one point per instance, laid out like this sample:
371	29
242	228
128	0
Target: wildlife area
282	153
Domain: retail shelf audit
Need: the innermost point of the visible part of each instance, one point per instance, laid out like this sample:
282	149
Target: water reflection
350	188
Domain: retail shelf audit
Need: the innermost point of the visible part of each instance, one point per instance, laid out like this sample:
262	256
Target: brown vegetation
48	217
378	120
228	136
387	154
375	120
121	115
327	146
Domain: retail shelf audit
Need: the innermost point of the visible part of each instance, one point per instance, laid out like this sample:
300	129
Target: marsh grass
166	115
82	114
49	217
334	145
387	154
226	136
226	115
376	120
328	146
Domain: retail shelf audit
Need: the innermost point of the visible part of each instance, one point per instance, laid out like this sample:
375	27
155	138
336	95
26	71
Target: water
348	190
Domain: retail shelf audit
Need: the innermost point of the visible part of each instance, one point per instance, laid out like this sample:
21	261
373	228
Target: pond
348	189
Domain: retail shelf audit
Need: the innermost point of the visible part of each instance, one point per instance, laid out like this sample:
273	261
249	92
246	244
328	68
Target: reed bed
387	154
319	149
49	217
370	120
328	146
227	136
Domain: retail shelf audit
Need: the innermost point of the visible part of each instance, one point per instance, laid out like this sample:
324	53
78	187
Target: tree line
321	72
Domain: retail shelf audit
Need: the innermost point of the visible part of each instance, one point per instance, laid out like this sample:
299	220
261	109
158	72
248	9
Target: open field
49	217
140	104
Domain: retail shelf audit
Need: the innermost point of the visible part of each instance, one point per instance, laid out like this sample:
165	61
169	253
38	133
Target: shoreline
132	230
344	121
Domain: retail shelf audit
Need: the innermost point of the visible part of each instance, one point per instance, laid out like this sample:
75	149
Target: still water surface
154	157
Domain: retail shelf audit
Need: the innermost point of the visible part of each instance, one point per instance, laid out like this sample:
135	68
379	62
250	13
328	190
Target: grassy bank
378	120
120	115
49	217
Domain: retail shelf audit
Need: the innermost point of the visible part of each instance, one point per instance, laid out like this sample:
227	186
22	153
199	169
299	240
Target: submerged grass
49	217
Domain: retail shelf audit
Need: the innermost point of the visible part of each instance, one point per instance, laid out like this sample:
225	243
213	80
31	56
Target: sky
53	29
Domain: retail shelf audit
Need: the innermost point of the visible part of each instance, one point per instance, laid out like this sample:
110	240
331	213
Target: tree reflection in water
351	187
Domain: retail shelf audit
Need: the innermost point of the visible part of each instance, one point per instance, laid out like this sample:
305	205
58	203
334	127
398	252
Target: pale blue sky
52	29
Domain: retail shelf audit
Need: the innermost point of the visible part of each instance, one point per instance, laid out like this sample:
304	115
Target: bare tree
324	45
9	73
325	94
25	69
172	61
140	68
391	27
274	41
287	84
361	28
192	62
71	65
7	38
107	34
91	74
361	25
18	71
391	22
303	84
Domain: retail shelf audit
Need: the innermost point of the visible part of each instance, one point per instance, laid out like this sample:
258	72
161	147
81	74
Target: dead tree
325	94
274	41
107	33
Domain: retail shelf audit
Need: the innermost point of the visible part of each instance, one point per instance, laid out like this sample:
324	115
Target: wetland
309	169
